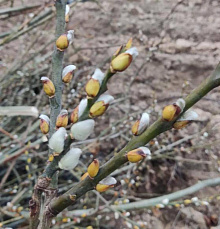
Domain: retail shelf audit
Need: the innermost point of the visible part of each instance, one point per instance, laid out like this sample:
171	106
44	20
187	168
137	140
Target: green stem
158	127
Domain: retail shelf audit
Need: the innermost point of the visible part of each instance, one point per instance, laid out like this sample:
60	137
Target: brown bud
62	119
74	115
48	86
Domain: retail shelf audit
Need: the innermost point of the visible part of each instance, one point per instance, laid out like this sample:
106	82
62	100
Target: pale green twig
173	196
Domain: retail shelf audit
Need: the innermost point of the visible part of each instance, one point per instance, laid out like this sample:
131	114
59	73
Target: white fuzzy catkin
146	152
45	118
144	122
108	181
106	98
56	142
132	51
181	103
98	75
44	78
82	106
70	36
63	112
67	9
71	159
67	69
189	115
82	130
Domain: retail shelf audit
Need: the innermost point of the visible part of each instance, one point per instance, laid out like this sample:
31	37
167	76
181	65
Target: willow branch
52	167
59	204
55	107
173	196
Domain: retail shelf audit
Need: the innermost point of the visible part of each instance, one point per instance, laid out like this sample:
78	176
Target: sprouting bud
140	125
56	142
93	168
67	13
48	86
129	44
105	184
65	40
82	130
171	111
62	42
67	73
138	154
94	84
78	111
101	105
187	117
122	61
83	177
71	159
62	119
44	123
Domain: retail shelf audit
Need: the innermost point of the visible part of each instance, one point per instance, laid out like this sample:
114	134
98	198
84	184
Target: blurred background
179	46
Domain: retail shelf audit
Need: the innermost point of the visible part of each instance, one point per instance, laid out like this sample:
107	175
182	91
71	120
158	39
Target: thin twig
173	196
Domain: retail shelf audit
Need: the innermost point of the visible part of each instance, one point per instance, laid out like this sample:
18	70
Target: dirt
179	46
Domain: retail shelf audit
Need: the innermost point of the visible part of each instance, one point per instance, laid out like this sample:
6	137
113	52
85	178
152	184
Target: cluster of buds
93	168
121	60
138	154
93	85
71	159
67	73
65	40
56	142
140	125
44	124
185	119
170	112
48	86
100	106
81	130
105	184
